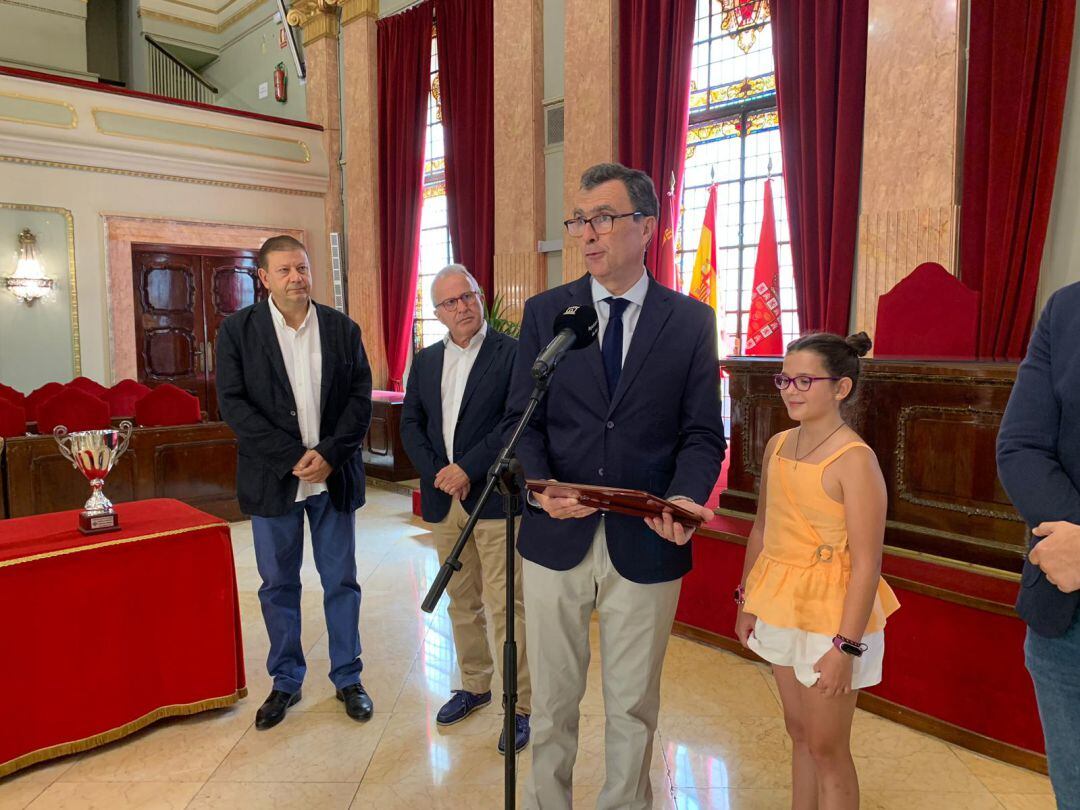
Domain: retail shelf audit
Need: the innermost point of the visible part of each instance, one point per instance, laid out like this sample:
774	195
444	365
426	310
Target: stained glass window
435	248
734	135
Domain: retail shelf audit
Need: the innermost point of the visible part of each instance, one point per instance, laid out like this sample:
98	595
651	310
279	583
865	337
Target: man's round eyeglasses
451	304
601	223
802	381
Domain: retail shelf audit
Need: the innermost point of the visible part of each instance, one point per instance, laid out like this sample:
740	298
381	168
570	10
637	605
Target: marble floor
721	737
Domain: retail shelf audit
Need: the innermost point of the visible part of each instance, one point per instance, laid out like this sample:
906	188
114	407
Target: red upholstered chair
38	396
12	419
929	315
88	386
123	396
12	395
75	410
167	405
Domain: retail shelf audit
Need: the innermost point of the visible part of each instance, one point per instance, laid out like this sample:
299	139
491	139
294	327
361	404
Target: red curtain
1018	68
820	52
467	81
404	68
656	42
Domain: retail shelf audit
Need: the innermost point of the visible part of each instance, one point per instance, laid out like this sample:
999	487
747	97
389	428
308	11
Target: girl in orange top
814	603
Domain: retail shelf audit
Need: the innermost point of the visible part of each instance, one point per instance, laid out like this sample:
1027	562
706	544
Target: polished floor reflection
721	738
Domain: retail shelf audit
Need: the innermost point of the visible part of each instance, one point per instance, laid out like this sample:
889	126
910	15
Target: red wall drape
404	68
1018	68
467	79
656	43
820	52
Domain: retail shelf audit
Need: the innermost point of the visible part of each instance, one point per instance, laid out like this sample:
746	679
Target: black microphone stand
501	476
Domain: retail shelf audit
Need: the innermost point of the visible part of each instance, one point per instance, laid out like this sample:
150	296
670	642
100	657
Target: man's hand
562	503
312	468
1058	555
452	480
670	529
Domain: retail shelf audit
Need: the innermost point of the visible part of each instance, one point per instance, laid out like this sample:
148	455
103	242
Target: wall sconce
28	283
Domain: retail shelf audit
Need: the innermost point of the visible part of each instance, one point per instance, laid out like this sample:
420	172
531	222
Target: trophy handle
60	433
126	429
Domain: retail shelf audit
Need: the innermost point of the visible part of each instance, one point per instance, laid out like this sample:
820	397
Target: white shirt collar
474	341
635	295
279	319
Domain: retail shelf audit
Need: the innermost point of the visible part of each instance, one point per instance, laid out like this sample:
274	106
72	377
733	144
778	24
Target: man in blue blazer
294	384
638	409
454	404
1038	457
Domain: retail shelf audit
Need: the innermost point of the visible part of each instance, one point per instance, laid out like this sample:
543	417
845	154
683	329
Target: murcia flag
763	334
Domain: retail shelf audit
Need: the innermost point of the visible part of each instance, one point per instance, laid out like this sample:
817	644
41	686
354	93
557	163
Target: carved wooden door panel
229	284
169	327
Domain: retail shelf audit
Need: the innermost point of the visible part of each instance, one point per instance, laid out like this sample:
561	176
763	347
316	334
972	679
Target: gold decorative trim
903	420
161	16
81	167
46	10
73	294
74	114
302	12
63	552
85	744
197	7
358	9
101	129
321	26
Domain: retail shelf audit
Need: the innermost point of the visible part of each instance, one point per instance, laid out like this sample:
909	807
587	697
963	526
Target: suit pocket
1031	575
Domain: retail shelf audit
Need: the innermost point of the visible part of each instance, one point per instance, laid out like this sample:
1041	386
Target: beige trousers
635	625
482	578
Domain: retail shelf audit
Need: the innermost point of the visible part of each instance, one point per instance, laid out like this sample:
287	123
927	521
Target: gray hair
449	270
638	185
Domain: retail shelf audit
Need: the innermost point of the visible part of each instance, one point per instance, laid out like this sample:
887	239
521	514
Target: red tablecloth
102	635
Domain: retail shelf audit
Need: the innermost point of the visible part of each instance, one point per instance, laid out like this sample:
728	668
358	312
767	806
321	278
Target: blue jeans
1054	664
279	550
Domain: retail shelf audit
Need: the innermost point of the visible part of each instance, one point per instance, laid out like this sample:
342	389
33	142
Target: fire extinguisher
279	83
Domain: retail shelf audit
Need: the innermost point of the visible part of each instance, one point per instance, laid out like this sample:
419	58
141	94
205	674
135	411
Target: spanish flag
703	285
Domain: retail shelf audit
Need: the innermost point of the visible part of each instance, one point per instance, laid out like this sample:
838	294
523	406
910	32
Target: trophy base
90	523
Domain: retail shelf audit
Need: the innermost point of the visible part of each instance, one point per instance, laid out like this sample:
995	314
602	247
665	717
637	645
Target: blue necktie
611	348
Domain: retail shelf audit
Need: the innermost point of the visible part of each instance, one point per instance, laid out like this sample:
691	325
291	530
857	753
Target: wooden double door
182	295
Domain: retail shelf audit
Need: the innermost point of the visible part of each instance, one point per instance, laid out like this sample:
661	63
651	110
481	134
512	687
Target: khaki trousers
482	578
635	625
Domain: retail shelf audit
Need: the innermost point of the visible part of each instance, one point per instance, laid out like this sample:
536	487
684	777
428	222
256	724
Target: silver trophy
94	453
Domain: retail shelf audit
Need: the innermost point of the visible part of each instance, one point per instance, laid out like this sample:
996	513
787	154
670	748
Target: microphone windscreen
582	321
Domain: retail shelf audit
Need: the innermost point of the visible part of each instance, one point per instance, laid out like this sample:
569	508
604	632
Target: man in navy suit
294	384
638	409
1039	464
454	405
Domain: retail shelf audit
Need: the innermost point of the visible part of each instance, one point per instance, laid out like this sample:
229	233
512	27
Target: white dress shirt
457	363
301	349
635	295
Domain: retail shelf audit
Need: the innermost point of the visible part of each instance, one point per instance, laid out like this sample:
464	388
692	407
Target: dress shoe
357	702
274	707
460	705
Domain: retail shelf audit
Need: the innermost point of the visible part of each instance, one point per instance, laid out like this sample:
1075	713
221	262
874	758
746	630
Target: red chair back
36	398
167	405
75	410
929	315
12	419
123	396
88	386
12	395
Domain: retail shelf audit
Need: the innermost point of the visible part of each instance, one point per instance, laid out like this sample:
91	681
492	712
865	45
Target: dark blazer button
292	413
601	472
610	425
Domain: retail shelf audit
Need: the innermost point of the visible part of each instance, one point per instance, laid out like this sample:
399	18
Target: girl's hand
834	669
744	625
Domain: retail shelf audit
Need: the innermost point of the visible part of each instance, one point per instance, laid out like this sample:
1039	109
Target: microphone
575	328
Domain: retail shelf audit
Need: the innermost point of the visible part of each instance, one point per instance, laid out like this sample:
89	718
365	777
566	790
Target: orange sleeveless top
800	578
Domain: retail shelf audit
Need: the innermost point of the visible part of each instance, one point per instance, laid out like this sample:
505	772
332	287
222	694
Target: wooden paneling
934	429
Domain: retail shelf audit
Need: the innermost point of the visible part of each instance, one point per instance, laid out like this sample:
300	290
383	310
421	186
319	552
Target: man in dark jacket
295	386
454	404
1039	463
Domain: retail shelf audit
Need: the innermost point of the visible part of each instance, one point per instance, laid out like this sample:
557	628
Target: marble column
320	26
592	96
909	210
520	270
361	104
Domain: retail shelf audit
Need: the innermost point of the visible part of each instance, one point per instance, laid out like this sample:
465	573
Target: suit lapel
581	294
431	394
488	349
269	340
654	313
328	344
